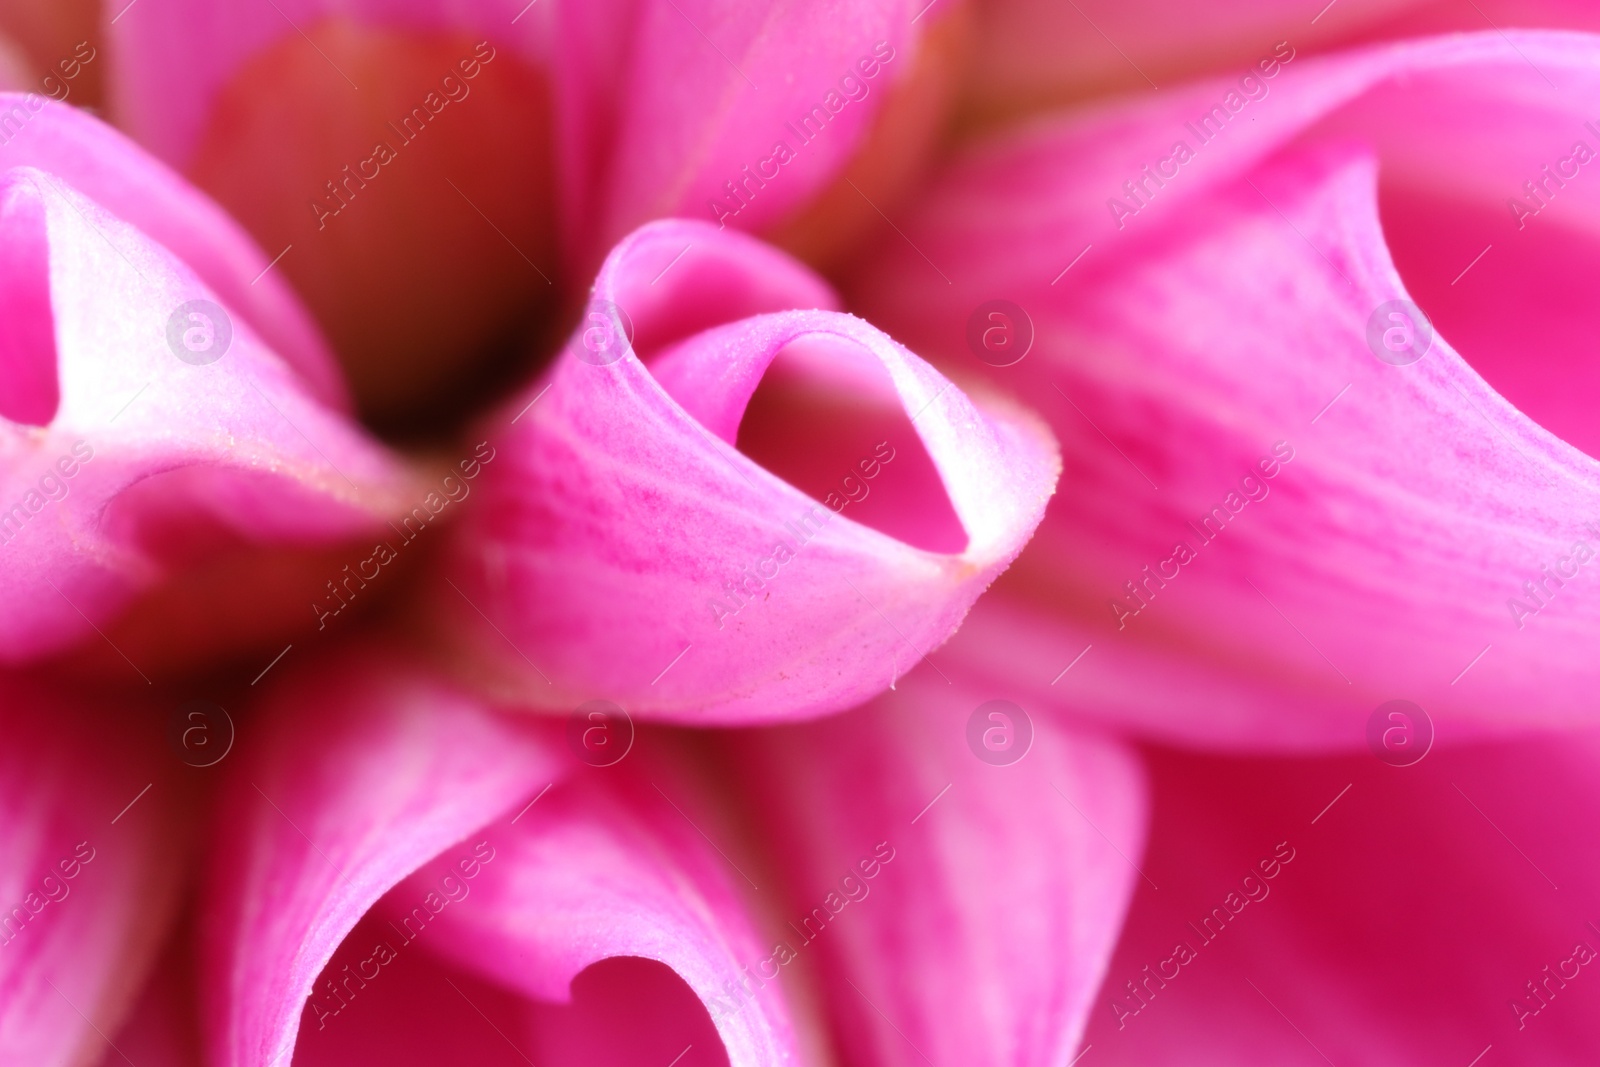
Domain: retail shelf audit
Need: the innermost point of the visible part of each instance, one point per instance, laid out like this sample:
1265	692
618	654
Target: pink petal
1060	659
166	105
378	791
598	876
1444	17
1431	887
419	1009
961	912
1031	51
602	556
334	105
105	166
123	460
90	864
415	1013
49	41
13	65
665	102
369	770
1224	329
163	1027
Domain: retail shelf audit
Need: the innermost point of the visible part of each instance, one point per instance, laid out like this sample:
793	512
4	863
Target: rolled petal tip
630	547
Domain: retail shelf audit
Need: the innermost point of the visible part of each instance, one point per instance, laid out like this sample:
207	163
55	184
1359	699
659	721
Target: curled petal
87	155
140	421
385	807
1285	475
603	873
90	865
368	770
624	548
939	846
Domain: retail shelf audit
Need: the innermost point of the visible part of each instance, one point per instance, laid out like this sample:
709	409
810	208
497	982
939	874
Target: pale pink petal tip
626	549
98	161
143	419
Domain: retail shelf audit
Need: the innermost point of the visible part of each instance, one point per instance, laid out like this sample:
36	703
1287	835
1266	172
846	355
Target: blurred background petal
94	846
1344	911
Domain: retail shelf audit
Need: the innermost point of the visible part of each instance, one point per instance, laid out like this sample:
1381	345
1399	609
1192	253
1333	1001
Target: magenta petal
1262	492
668	105
622	548
611	872
368	770
942	849
102	164
1060	659
416	1012
89	869
1301	901
139	417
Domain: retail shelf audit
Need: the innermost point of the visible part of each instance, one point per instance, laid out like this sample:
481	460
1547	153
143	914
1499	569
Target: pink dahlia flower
688	533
